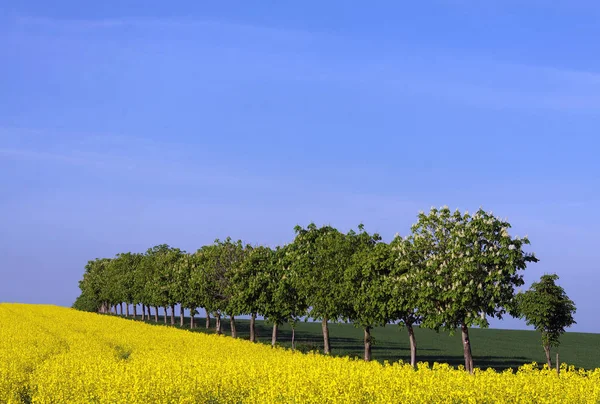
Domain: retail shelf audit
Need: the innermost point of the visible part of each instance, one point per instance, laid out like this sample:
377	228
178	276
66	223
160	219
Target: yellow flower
56	355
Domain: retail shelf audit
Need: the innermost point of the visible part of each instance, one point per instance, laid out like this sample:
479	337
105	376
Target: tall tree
214	279
231	256
365	285
201	281
207	283
181	290
249	284
142	284
283	300
189	278
407	261
162	261
125	266
547	307
319	256
146	289
471	270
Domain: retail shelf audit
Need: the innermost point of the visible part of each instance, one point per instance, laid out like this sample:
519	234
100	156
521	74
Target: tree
283	300
319	256
365	283
90	297
83	302
547	307
124	268
162	261
95	284
142	285
217	262
231	256
145	289
250	282
206	282
403	290
470	270
182	292
92	285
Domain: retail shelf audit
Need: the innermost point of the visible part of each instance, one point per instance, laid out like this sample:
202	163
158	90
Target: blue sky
128	124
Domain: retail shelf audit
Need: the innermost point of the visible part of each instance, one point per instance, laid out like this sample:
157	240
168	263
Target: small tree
547	307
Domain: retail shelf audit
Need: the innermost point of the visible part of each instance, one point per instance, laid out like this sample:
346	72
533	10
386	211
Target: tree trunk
156	314
367	344
135	311
548	359
253	327
147	312
413	345
467	348
232	325
121	308
218	325
181	316
326	347
172	314
126	309
165	314
207	319
274	335
191	318
293	338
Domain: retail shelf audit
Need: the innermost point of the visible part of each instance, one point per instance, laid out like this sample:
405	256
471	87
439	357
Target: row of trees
453	271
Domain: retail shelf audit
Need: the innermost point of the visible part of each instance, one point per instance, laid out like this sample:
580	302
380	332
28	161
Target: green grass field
498	349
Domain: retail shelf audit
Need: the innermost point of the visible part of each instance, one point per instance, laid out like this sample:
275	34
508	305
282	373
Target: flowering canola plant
57	355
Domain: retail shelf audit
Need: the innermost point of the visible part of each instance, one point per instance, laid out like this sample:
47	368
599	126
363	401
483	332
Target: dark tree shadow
312	340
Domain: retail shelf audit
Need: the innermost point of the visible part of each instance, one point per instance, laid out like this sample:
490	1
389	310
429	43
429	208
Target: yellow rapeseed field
57	355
